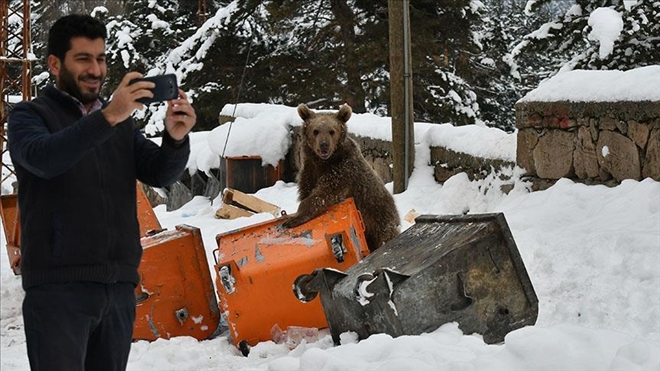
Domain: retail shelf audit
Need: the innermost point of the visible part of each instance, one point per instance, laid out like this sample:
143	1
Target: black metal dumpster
442	269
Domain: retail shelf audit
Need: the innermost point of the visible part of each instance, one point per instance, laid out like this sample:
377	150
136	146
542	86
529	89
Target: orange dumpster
257	268
11	225
175	296
146	216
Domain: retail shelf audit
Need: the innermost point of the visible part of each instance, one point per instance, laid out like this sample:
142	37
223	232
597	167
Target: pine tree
569	40
139	37
471	61
213	59
497	85
334	48
138	40
444	45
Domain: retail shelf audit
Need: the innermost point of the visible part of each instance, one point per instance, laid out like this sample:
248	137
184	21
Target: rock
553	155
585	160
652	159
618	155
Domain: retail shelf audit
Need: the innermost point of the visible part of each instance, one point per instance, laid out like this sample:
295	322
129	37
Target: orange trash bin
257	268
175	296
11	225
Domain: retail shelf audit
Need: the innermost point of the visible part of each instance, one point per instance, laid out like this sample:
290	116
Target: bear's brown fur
334	169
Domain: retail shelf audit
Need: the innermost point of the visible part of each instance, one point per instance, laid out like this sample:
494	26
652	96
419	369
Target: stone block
652	159
585	160
618	155
622	126
383	169
607	123
639	133
527	139
442	173
612	140
553	155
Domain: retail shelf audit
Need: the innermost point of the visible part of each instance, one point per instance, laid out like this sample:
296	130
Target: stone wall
592	142
378	153
448	163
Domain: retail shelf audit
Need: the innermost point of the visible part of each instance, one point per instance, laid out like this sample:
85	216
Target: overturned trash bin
257	267
442	269
175	296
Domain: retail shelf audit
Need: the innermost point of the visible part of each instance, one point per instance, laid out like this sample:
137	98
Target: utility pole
403	139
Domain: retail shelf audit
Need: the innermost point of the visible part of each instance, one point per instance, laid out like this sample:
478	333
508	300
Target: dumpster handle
215	257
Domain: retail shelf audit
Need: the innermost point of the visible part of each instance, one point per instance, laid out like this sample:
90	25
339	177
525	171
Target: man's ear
54	65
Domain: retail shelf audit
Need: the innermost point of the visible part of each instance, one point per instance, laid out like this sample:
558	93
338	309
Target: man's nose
95	68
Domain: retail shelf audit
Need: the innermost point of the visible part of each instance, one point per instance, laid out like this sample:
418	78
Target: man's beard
67	82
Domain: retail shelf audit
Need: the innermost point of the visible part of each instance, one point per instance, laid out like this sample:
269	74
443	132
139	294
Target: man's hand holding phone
125	98
165	88
134	91
180	117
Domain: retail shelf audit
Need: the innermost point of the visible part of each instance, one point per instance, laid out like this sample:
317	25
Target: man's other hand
180	117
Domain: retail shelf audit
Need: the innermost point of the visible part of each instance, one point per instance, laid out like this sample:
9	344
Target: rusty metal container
11	225
247	173
257	268
442	269
147	218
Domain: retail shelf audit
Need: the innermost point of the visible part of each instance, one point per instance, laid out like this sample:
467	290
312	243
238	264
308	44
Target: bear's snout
324	149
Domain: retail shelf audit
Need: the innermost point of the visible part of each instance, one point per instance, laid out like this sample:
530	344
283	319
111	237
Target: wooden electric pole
403	139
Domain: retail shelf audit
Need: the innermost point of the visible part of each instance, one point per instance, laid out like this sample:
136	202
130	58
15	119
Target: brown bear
334	169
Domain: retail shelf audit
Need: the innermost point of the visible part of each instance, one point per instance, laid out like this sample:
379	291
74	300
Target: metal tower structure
15	65
15	82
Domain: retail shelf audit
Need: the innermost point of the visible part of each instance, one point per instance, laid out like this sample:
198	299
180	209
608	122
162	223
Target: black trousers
79	326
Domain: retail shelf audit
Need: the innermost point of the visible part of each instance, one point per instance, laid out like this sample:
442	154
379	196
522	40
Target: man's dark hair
70	26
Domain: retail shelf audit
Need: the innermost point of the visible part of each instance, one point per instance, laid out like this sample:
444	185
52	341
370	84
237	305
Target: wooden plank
237	198
232	212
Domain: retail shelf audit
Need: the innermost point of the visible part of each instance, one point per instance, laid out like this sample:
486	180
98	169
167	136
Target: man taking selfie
77	158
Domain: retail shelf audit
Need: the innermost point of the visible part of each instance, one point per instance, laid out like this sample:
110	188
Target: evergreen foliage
567	40
471	60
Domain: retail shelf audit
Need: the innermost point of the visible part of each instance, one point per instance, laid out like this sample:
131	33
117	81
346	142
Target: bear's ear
304	112
344	113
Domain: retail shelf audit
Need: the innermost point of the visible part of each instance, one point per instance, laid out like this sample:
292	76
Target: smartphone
166	88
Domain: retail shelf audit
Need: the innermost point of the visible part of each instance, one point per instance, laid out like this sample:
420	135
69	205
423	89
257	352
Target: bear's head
324	131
